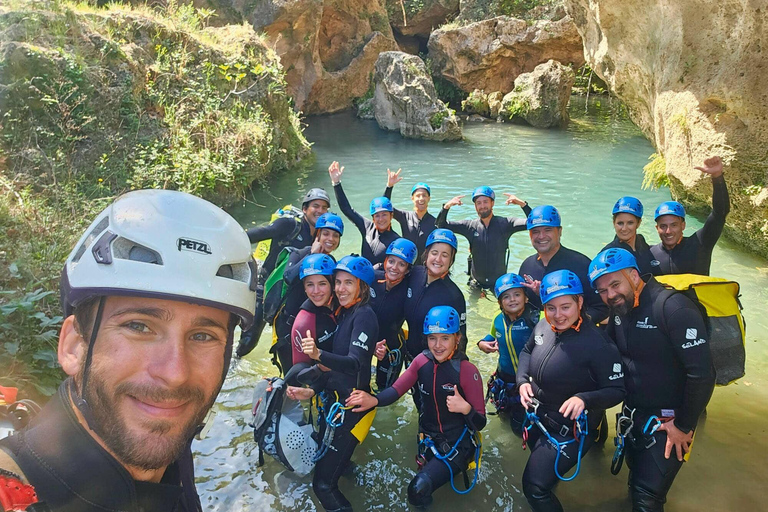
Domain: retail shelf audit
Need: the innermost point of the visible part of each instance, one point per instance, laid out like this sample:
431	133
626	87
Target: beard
154	444
484	214
622	306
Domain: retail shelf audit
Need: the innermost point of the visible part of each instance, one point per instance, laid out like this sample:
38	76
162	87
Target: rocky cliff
693	76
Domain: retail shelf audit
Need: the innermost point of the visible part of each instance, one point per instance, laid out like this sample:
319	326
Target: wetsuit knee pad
541	499
645	501
420	490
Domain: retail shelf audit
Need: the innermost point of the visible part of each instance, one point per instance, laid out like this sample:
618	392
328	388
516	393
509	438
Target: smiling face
420	200
347	288
439	259
382	220
395	269
484	206
442	346
314	209
329	239
626	226
513	302
156	370
563	311
670	229
318	289
615	289
545	239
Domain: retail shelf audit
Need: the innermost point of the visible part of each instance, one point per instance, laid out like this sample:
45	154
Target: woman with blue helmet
510	331
627	217
431	285
387	300
453	409
415	225
568	375
377	233
349	362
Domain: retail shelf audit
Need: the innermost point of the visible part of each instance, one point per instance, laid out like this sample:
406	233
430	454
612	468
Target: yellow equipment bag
262	248
719	301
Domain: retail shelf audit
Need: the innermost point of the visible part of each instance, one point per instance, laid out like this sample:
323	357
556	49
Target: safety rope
448	457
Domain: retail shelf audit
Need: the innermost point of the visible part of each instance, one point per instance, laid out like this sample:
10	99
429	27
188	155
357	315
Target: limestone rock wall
694	76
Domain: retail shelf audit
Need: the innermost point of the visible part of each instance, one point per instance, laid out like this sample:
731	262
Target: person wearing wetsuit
388	301
377	233
627	217
692	254
329	229
415	225
510	331
568	367
349	362
488	235
430	285
453	409
545	230
283	232
670	377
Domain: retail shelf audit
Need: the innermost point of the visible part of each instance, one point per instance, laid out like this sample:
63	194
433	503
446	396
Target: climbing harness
333	420
580	432
426	443
625	422
501	393
395	357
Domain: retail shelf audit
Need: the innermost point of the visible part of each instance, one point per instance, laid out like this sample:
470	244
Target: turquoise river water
582	170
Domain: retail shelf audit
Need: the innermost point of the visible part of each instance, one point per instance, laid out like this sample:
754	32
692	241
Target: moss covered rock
540	98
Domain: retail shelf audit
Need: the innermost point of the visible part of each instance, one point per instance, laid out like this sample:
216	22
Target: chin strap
635	289
576	327
79	399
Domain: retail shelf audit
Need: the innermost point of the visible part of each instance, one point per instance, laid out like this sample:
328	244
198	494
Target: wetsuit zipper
434	395
546	359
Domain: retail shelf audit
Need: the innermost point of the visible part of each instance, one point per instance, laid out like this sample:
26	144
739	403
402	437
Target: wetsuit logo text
643	324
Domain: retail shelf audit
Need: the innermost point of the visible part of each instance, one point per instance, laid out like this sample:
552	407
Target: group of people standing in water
574	336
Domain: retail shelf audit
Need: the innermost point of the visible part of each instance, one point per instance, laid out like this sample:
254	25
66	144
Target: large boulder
420	17
693	76
490	54
405	100
327	47
540	97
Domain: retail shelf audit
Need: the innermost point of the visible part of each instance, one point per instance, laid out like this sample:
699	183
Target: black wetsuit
413	228
693	255
280	232
668	374
558	366
645	259
375	243
435	382
488	246
71	472
350	364
389	306
565	259
420	297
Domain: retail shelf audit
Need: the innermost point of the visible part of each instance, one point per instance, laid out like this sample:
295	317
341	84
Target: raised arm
710	233
460	227
277	230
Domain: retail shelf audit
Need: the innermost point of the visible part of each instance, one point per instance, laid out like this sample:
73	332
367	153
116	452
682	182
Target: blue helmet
381	204
610	260
359	267
670	208
507	282
444	236
483	191
558	283
330	221
317	264
629	204
543	216
404	249
442	320
421	186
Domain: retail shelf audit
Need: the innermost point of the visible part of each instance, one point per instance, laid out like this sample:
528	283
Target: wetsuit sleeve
357	219
688	335
398	214
278	230
524	361
461	309
515	224
472	385
403	383
710	233
365	331
606	370
292	270
460	227
304	322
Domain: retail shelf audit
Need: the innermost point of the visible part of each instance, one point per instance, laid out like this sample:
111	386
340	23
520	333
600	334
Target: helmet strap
635	289
576	327
79	400
391	283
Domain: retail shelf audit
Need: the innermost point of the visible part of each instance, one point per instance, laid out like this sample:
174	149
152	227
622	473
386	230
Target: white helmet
164	244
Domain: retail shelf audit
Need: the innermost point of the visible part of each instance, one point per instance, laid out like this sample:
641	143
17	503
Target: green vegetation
587	82
655	172
476	103
436	119
449	93
96	102
515	106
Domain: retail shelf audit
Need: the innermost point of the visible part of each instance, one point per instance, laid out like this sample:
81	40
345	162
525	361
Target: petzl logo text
187	244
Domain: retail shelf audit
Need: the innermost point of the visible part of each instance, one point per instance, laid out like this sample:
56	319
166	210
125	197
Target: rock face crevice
694	76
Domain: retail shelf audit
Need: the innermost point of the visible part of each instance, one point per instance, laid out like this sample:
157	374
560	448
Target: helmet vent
93	235
125	249
237	271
